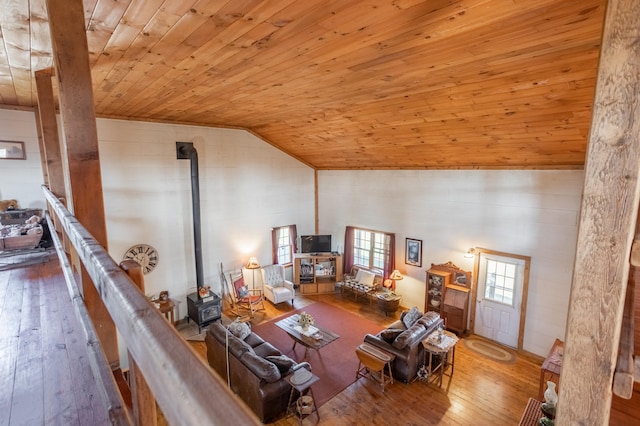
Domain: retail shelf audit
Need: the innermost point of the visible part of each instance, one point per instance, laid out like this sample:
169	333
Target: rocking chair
245	297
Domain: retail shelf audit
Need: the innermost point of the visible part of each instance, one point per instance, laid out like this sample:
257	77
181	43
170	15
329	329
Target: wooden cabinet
448	294
317	273
437	281
456	308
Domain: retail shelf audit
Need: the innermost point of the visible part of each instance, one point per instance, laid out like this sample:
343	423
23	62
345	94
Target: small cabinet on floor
317	273
456	303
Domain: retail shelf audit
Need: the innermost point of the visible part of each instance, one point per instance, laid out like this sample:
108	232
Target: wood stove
204	311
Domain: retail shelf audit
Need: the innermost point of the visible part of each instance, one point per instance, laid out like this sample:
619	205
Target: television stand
317	272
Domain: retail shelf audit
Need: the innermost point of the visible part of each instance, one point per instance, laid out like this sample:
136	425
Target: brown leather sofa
258	381
406	342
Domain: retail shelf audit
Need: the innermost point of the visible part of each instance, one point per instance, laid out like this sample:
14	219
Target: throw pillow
410	336
367	278
239	329
390	334
262	368
283	362
411	317
243	291
429	318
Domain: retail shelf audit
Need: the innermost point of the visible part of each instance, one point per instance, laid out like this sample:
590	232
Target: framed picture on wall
12	150
413	252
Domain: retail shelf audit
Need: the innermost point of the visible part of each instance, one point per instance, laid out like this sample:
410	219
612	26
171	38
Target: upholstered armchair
276	288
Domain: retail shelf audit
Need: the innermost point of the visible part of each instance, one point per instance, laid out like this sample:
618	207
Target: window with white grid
370	249
500	282
283	234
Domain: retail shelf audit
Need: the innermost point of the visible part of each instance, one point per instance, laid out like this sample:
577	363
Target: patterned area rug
336	363
490	350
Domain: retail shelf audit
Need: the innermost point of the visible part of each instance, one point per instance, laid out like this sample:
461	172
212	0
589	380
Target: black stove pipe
186	151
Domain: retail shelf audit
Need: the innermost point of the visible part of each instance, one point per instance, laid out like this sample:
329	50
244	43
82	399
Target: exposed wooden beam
607	225
81	136
49	131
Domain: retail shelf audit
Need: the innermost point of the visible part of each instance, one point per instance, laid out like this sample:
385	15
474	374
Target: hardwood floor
482	391
45	379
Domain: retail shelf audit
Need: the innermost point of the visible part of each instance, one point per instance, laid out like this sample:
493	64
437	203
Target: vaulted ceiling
375	84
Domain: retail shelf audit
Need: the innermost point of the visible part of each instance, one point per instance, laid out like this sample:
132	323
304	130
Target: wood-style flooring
45	379
482	391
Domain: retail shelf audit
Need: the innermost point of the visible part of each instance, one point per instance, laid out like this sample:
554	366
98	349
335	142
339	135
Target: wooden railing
186	389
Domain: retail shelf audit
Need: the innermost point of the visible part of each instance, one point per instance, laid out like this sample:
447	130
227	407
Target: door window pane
500	282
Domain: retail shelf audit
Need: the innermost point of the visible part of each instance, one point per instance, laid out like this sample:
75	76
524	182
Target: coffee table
321	339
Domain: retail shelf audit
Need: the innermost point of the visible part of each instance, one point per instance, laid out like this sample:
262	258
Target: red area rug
336	363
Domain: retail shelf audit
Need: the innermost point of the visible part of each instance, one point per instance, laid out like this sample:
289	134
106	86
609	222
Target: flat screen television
315	244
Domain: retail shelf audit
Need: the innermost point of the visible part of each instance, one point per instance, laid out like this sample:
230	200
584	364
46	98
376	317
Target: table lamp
253	264
395	276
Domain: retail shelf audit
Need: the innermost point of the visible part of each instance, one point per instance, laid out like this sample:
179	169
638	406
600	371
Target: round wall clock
145	255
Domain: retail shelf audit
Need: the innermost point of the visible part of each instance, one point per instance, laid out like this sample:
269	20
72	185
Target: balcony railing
187	391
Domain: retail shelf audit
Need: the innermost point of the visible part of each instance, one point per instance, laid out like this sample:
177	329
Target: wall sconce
470	253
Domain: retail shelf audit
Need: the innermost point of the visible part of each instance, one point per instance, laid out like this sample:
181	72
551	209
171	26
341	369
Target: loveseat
257	370
403	338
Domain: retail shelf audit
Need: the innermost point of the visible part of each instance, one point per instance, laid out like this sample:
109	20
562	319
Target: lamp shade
395	275
252	263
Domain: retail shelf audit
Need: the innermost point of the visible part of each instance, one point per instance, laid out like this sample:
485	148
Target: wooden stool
373	360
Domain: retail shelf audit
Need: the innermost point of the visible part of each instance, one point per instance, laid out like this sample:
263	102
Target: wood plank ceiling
373	84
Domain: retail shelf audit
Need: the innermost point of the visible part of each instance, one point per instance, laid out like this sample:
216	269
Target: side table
166	307
437	351
551	367
303	390
373	360
388	302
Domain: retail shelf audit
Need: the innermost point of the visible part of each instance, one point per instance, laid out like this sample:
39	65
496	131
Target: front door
499	298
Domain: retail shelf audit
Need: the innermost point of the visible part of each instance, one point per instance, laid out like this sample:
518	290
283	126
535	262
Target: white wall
246	188
532	213
21	179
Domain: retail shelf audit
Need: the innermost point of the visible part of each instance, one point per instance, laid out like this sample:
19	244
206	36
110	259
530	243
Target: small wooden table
166	307
438	353
373	360
303	389
323	338
551	367
388	302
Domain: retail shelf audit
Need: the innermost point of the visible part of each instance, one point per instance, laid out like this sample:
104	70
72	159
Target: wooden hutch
447	293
